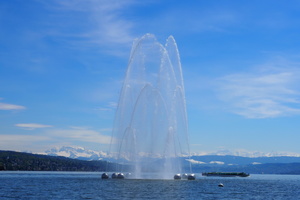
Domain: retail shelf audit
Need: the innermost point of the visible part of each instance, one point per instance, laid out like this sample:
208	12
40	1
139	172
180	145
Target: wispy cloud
80	134
6	106
22	142
102	20
32	126
270	91
110	107
195	161
217	162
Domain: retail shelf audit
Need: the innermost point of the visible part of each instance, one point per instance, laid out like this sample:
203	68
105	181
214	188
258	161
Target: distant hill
259	165
239	160
86	154
269	168
10	160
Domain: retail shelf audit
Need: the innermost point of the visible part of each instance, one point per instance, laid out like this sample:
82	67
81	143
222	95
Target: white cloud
79	127
22	142
6	106
32	126
264	93
245	153
51	137
110	107
217	162
82	134
256	163
22	138
106	129
195	161
103	22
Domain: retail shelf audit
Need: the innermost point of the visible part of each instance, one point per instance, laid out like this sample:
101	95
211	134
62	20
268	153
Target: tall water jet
150	127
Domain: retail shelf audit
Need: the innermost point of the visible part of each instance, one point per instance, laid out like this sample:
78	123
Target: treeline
13	161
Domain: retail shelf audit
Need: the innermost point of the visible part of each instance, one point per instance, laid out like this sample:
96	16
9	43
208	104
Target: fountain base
104	176
185	176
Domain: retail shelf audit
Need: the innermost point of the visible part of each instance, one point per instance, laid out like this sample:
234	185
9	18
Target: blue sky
62	64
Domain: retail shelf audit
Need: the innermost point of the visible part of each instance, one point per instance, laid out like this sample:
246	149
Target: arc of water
153	77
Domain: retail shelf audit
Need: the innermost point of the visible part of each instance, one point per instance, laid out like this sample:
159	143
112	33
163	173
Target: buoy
114	175
184	176
191	177
177	176
104	176
221	185
120	176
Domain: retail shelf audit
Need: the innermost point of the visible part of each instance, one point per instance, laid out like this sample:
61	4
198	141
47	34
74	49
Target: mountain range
76	152
257	165
200	163
80	159
202	160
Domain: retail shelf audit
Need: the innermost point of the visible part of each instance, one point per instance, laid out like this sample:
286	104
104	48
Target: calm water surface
88	185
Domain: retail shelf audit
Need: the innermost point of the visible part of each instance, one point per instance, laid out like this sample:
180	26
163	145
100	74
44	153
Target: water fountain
150	128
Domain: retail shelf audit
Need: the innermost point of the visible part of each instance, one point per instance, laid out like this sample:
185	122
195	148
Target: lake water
89	185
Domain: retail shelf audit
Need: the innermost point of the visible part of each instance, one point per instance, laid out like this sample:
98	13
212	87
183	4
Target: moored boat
226	174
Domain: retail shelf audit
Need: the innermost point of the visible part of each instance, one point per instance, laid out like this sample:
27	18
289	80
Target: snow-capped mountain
225	158
76	152
245	153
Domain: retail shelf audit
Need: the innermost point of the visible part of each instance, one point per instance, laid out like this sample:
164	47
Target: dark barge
226	174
